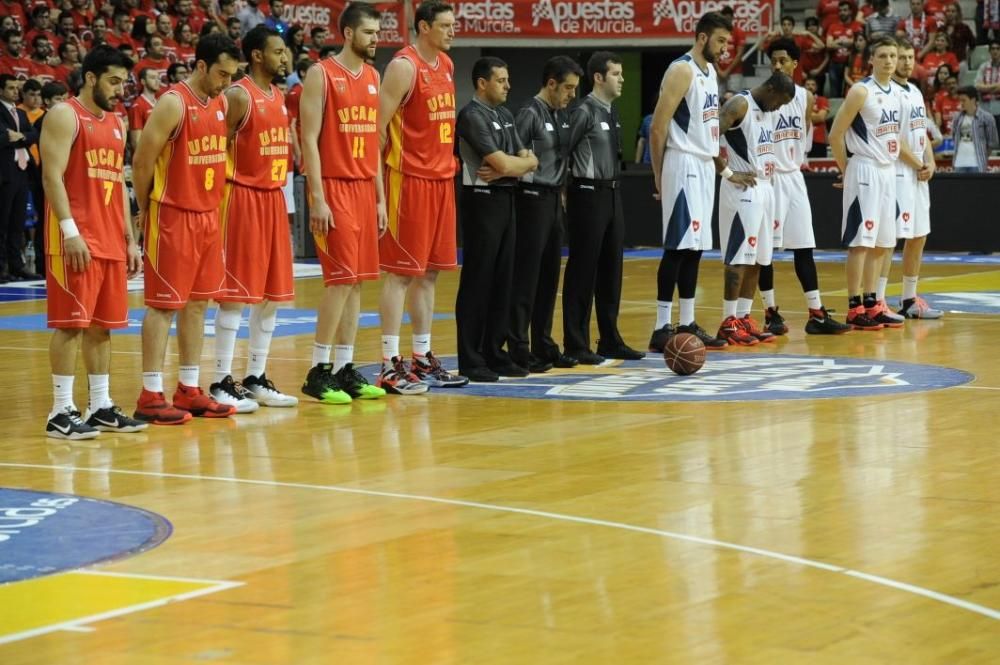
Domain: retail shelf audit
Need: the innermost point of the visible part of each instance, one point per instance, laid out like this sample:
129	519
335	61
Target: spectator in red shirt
227	10
122	32
185	12
41	51
142	29
69	60
8	23
176	73
155	60
14	9
937	54
13	62
165	31
946	105
804	40
98	33
65	29
729	65
184	38
839	39
961	36
82	13
143	103
317	37
827	11
858	66
815	59
295	40
817	116
234	28
918	26
41	23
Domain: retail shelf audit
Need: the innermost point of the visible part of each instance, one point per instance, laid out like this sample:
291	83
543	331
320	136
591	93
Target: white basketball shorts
746	217
793	222
913	198
687	188
869	204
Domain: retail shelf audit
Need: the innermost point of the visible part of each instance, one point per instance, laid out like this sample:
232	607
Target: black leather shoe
586	358
510	369
538	366
562	361
4	278
620	352
480	374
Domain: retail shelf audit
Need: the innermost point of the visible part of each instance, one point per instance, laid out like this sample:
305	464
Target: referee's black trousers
596	229
538	255
482	309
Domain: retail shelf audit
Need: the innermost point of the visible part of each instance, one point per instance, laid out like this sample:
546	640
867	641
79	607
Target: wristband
68	227
727	173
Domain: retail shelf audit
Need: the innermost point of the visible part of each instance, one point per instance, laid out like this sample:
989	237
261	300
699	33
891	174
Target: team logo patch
869	224
752	241
777	224
695	224
219	115
371	89
738	378
906	216
118	134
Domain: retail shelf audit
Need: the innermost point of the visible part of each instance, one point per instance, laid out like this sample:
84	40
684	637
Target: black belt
546	188
597	184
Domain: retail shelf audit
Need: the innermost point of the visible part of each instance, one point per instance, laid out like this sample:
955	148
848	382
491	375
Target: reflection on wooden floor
452	529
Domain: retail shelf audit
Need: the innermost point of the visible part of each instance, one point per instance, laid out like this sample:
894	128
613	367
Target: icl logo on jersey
888	123
787	127
710	109
744	378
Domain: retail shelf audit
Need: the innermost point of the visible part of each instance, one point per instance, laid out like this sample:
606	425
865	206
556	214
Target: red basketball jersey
348	138
260	154
422	131
139	113
94	181
190	172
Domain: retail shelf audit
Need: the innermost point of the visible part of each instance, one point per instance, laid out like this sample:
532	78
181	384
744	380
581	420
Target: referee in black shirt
595	221
543	127
493	157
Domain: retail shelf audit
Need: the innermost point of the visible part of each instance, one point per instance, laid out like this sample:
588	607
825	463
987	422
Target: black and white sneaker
231	392
113	419
263	390
68	425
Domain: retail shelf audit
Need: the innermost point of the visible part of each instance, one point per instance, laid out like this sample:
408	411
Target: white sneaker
919	309
233	393
262	389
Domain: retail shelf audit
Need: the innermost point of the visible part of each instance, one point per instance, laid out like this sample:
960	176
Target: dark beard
102	101
705	53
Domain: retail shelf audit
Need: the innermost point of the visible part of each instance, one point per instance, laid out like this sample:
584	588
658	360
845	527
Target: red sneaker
199	404
753	328
733	332
154	408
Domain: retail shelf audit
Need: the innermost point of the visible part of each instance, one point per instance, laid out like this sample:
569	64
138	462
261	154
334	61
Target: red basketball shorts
348	253
96	296
257	245
421	234
183	256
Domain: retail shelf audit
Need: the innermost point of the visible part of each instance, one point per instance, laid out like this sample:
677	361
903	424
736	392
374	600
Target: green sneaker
321	384
356	385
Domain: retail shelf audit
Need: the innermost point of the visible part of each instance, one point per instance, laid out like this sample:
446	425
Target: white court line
979	387
79	625
769	554
78	629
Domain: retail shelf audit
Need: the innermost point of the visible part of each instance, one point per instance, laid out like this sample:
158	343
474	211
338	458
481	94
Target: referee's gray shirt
483	130
594	141
545	131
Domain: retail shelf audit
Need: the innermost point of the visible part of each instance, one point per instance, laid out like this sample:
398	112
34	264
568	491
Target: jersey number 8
209	179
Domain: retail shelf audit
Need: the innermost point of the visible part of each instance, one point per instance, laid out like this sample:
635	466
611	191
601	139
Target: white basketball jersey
695	126
749	145
874	132
790	125
914	115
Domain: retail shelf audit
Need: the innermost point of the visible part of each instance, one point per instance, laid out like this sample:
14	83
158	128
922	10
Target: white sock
743	307
421	344
768	298
813	300
687	311
728	308
100	396
342	354
262	320
227	324
390	347
152	382
909	287
321	353
188	375
62	393
880	288
664	310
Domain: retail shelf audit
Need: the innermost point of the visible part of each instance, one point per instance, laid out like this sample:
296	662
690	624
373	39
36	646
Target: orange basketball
684	354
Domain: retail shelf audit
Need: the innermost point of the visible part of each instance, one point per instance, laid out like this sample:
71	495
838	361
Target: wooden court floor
460	529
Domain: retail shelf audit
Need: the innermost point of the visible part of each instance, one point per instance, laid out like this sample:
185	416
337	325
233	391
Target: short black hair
428	12
39	37
600	62
53	89
326	50
172	69
727	11
483	68
13	32
812	20
31	85
100	58
787	45
787	17
256	39
904	43
710	22
232	20
302	66
969	91
559	67
212	47
781	83
316	29
64	48
5	78
845	2
355	13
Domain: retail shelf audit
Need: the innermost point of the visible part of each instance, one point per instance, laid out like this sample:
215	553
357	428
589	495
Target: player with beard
914	171
347	210
91	248
684	140
255	233
179	176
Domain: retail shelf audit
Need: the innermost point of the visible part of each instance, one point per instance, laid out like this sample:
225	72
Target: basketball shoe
660	337
821	323
917	308
396	378
774	322
232	392
68	425
711	343
882	314
323	385
734	333
428	370
354	384
112	419
197	403
263	390
858	319
154	408
751	326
